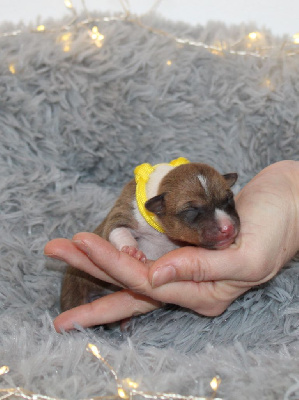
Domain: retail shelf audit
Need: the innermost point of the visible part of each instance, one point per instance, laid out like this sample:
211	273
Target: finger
132	273
111	308
206	298
198	265
70	253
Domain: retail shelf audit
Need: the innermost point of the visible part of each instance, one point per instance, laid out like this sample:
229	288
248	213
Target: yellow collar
142	175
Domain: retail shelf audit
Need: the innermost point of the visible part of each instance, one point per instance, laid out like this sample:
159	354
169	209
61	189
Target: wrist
288	171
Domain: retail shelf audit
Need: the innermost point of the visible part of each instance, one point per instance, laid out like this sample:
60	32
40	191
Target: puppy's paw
134	252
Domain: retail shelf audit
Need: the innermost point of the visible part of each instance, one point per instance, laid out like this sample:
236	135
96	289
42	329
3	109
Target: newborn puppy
166	206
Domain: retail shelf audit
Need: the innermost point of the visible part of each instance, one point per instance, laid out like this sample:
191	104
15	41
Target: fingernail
163	275
82	246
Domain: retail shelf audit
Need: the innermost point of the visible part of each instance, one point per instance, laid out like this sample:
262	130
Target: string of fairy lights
126	389
254	44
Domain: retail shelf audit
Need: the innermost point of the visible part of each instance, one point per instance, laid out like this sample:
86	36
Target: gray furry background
73	125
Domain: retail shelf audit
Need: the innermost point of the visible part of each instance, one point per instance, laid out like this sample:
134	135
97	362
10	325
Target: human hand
206	281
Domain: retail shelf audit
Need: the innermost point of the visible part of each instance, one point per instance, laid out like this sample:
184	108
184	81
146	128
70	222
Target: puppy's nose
227	229
225	225
221	232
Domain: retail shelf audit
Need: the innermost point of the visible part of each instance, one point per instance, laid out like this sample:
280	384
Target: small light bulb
131	384
66	48
253	35
41	28
4	370
65	37
12	68
66	40
122	394
94	350
68	3
296	38
216	52
215	382
96	36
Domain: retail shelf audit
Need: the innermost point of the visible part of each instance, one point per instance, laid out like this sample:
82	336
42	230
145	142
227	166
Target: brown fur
78	285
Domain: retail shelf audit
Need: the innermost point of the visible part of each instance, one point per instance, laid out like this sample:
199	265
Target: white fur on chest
154	244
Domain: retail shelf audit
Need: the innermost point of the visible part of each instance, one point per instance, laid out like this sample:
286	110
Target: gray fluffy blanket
73	125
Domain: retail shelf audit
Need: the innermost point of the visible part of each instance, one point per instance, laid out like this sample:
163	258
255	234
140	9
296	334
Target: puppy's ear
156	204
231	178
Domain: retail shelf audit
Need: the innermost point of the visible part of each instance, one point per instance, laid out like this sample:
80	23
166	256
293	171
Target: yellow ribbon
142	174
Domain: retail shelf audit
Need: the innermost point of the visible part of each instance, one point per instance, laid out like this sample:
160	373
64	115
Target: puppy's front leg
123	240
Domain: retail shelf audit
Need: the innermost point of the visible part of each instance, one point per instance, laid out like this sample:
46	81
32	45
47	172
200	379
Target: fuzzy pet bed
73	125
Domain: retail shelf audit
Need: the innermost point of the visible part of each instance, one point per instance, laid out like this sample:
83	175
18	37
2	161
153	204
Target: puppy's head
195	205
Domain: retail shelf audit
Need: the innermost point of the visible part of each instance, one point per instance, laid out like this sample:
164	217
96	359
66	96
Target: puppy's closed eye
191	214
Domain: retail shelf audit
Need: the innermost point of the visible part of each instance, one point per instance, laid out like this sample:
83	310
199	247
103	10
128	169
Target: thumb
198	265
